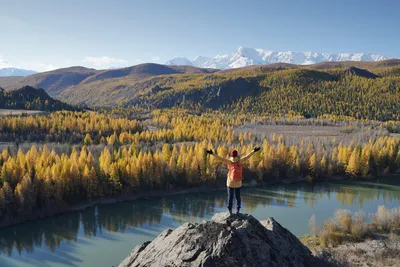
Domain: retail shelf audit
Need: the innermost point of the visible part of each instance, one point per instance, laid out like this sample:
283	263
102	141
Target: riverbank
64	208
347	239
383	251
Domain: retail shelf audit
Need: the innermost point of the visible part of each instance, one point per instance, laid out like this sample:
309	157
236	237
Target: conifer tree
88	140
353	167
313	167
323	165
166	153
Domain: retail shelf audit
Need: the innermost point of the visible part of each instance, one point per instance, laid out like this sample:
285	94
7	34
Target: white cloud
155	58
27	65
105	61
37	66
4	63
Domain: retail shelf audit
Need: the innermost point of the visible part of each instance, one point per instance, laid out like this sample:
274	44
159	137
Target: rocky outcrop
238	240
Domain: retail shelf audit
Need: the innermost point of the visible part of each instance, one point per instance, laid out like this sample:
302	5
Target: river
104	235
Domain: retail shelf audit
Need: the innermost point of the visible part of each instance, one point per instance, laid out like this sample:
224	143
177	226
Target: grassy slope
52	81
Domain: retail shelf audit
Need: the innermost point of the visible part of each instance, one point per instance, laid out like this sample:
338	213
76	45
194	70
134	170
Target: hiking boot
230	211
237	211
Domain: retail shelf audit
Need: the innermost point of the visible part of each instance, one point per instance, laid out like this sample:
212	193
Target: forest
29	98
110	155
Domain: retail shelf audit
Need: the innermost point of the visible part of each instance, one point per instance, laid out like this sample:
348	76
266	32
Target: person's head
234	153
234	157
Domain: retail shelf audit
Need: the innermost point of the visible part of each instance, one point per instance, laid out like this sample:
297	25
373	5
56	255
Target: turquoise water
104	235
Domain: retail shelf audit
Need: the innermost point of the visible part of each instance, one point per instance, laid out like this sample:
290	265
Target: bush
349	129
328	236
384	219
359	227
395	217
312	225
343	220
387	219
344	225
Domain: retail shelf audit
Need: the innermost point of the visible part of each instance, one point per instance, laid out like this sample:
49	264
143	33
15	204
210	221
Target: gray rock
238	240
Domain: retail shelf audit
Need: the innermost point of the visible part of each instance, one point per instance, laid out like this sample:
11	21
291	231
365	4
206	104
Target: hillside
52	81
30	98
144	71
276	89
338	88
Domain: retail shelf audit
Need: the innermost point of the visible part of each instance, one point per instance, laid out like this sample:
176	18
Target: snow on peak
179	61
15	72
198	61
245	56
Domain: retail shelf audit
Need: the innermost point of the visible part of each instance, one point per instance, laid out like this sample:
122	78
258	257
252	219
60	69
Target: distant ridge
244	56
6	72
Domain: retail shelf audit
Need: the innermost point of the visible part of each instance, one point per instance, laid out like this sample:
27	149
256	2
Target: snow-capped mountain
249	56
15	72
199	61
178	61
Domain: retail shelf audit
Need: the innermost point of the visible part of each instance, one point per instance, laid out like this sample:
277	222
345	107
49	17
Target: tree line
65	127
41	179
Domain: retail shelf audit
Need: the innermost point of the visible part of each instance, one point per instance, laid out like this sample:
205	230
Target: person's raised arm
250	154
224	160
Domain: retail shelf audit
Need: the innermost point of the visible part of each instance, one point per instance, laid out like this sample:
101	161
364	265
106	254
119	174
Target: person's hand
256	149
209	151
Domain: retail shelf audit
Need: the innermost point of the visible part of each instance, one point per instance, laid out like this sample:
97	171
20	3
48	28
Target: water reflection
52	232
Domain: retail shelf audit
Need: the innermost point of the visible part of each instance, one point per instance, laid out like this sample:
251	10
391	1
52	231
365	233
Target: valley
199	133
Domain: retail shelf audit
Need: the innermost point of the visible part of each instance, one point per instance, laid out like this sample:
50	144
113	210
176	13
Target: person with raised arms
235	175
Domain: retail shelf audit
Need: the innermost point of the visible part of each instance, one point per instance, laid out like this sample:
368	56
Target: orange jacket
229	182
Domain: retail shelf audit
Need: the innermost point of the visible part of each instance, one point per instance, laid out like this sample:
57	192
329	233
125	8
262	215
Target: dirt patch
377	253
19	112
293	134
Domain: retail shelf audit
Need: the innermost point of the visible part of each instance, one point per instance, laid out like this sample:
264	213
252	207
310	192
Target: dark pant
232	191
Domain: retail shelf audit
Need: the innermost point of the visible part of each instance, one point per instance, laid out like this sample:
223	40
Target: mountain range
248	56
5	72
158	86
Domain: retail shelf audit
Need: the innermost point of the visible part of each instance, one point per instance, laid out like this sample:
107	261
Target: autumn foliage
120	156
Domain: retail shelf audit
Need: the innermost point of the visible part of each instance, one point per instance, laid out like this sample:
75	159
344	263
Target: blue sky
47	34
